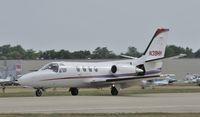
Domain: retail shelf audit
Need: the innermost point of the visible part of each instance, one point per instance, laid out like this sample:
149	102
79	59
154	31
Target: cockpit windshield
52	66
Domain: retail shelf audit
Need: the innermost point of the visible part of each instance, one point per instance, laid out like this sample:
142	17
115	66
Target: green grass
107	115
28	92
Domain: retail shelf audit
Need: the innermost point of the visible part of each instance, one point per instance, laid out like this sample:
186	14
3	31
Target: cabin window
95	69
62	70
78	69
84	69
90	69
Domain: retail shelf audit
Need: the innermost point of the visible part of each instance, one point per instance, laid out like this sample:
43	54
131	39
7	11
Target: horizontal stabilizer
129	57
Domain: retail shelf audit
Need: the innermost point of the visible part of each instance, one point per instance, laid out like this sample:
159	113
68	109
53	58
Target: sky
86	24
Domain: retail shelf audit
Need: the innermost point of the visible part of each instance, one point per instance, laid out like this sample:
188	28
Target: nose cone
25	80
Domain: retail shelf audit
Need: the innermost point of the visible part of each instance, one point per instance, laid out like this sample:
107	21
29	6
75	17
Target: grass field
107	115
16	91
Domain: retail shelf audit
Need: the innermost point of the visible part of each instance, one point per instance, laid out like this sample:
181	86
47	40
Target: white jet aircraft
115	74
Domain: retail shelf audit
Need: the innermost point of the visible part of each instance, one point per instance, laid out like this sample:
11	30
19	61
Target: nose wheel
74	91
38	92
114	91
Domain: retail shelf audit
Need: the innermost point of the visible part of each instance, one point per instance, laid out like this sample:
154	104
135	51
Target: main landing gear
38	92
74	91
114	91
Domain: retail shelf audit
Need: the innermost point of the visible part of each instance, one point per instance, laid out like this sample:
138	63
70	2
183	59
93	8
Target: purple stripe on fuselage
106	76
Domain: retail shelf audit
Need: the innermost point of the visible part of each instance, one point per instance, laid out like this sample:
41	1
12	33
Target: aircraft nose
21	80
24	80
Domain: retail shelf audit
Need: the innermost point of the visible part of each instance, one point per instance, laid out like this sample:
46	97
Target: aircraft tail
156	48
154	52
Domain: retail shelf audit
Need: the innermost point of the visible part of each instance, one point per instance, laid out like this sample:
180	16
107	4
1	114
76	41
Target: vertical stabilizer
156	48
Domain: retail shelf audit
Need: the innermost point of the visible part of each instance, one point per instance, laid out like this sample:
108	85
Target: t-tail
154	52
156	48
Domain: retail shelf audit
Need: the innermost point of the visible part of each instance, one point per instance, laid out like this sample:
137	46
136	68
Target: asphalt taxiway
170	102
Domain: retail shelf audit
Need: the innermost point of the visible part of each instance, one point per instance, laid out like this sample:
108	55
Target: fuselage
78	74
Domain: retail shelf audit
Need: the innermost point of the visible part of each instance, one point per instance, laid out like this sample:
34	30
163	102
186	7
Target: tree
169	52
132	51
173	50
17	52
197	54
189	53
50	54
103	53
64	54
81	54
31	54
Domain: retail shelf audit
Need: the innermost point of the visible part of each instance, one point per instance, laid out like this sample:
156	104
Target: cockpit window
78	69
52	66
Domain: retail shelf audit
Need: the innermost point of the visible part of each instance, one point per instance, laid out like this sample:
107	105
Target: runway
176	102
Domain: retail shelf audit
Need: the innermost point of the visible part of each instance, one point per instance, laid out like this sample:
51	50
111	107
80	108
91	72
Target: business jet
115	74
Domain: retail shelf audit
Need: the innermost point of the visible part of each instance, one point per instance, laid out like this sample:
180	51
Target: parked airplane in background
115	74
192	78
165	79
171	78
8	80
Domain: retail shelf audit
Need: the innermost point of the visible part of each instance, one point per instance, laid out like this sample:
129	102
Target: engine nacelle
122	69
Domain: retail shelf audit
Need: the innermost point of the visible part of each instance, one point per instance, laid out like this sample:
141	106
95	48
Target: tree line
18	52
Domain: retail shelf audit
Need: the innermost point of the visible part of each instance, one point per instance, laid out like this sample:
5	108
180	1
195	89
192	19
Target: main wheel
38	93
74	91
114	91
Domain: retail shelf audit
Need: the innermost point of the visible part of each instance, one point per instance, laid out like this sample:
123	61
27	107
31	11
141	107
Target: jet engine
121	69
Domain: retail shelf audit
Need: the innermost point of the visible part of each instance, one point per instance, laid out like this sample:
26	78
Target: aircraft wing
102	81
132	78
4	81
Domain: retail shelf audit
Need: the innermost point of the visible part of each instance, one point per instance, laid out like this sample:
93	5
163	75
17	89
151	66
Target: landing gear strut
38	92
74	91
114	91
